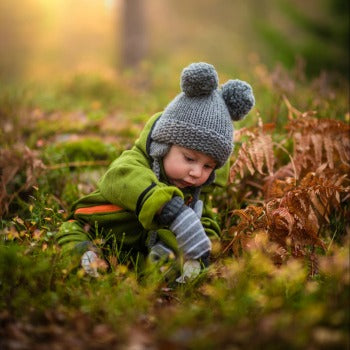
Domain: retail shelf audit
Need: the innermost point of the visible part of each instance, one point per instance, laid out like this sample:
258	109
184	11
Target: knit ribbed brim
195	137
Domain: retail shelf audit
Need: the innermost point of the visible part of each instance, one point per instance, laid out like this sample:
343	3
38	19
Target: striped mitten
185	224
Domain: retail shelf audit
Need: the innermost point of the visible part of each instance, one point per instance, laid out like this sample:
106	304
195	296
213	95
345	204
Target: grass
245	302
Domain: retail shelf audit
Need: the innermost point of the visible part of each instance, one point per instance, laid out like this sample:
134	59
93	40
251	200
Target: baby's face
185	167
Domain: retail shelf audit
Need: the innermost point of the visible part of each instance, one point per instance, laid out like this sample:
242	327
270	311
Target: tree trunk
134	36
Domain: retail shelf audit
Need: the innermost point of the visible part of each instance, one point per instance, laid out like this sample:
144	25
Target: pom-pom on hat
200	117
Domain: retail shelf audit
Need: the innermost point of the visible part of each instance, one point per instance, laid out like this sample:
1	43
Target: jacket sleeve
130	183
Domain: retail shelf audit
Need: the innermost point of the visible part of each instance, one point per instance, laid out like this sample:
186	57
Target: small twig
227	247
291	110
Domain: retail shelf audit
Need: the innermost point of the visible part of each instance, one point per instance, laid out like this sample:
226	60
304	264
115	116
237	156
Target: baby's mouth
184	183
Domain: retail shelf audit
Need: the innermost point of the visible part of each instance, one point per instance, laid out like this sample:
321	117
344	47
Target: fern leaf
247	162
311	224
343	155
257	211
235	168
242	214
321	209
328	146
282	219
267	146
256	154
243	161
302	142
317	143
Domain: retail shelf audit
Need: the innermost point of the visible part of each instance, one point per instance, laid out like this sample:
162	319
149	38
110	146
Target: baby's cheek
206	176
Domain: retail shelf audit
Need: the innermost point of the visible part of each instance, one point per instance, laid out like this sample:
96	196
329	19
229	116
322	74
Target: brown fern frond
282	219
237	167
238	134
300	196
280	224
328	146
316	140
256	211
276	188
252	218
269	154
255	154
343	151
298	204
264	140
245	159
241	163
319	206
21	162
324	190
249	217
302	142
243	214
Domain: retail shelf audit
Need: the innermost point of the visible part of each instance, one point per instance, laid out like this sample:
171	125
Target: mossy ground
73	130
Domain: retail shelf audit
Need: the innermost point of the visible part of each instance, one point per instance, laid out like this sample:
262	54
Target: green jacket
130	184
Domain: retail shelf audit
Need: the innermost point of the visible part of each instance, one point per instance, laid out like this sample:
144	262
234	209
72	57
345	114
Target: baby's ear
239	98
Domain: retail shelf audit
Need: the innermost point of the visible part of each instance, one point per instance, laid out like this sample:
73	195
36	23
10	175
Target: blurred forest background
79	79
41	39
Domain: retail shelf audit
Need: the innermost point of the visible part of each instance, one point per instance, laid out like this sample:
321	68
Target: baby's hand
91	263
191	270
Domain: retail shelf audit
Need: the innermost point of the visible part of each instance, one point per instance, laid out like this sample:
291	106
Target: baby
154	200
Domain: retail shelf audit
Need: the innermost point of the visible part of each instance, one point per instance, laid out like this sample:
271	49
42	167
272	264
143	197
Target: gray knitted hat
200	118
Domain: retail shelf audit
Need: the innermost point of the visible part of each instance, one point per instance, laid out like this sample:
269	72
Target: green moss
88	149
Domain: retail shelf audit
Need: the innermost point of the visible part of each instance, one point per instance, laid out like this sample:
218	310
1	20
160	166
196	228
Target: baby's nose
196	171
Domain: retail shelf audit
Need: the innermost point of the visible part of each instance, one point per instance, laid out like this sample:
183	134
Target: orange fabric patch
106	208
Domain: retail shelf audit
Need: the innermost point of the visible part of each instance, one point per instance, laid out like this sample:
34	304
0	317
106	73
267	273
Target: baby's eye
189	159
208	166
